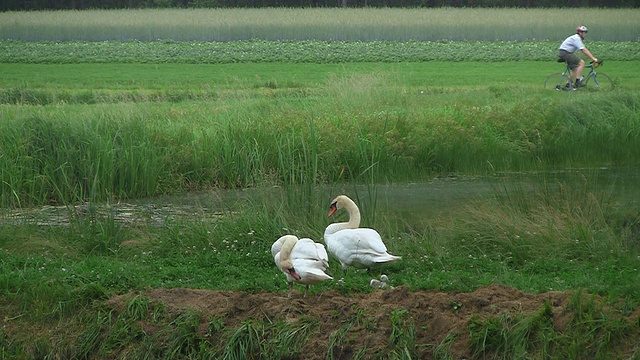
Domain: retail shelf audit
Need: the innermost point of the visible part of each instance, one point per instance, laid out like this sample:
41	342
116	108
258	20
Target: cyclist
567	49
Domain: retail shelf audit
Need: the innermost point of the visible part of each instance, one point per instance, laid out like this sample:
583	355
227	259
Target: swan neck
287	247
354	214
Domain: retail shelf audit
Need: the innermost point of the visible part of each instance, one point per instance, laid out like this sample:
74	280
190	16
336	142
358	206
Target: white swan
352	245
301	260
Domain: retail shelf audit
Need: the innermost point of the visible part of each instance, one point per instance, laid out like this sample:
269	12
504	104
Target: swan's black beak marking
332	208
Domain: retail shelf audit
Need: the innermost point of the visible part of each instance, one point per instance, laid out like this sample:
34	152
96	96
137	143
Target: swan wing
308	249
310	260
276	259
310	271
334	228
360	248
276	247
361	239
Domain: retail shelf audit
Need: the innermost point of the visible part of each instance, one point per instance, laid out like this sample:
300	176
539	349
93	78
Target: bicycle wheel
558	82
599	82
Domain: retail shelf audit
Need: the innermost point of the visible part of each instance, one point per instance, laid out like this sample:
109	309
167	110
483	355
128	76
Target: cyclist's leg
575	64
578	72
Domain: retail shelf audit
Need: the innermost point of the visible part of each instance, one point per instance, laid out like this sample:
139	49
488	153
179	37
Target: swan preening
301	260
352	245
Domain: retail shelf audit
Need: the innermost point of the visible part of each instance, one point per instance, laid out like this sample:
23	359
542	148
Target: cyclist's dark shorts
572	59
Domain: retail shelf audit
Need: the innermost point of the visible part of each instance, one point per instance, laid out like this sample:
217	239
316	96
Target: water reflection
410	201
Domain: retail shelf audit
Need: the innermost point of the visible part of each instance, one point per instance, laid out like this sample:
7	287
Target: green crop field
122	133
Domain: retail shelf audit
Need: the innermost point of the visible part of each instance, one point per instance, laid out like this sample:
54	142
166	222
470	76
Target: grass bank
554	238
136	133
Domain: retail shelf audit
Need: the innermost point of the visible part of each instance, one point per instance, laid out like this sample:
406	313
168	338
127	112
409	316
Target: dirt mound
433	314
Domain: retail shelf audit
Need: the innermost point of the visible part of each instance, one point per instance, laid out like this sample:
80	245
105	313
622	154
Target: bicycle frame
592	72
593	81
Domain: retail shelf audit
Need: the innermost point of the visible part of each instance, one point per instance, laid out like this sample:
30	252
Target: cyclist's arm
586	52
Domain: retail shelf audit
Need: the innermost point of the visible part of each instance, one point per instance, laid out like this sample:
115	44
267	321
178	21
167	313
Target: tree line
25	5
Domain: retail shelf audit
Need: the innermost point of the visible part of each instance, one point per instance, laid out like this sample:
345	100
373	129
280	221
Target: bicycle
592	81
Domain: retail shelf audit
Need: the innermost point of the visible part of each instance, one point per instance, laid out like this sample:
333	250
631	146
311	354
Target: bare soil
435	314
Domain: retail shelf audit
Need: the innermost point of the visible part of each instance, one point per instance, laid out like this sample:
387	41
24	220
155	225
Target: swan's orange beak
293	273
332	209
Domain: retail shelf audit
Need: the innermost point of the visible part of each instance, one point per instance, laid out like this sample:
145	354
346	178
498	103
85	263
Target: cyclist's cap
582	28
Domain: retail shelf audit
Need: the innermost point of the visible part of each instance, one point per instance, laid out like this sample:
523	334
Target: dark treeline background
8	5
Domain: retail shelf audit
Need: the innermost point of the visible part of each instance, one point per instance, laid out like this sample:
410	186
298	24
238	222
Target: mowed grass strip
58	82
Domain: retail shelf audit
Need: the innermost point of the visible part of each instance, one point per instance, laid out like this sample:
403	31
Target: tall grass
537	238
571	217
441	24
79	160
514	336
353	128
402	344
589	332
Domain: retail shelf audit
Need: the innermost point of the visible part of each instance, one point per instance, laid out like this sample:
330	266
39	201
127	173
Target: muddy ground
435	314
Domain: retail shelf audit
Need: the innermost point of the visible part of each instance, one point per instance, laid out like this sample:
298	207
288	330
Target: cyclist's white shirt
572	43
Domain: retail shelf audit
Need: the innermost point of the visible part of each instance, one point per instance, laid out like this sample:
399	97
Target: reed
277	24
556	215
367	128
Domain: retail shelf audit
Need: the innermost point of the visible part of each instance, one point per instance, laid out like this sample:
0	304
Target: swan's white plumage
352	245
301	260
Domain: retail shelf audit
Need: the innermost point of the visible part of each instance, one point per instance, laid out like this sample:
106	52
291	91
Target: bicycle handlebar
597	65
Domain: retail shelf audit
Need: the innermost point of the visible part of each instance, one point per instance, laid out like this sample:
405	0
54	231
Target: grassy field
73	133
89	127
128	131
279	24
